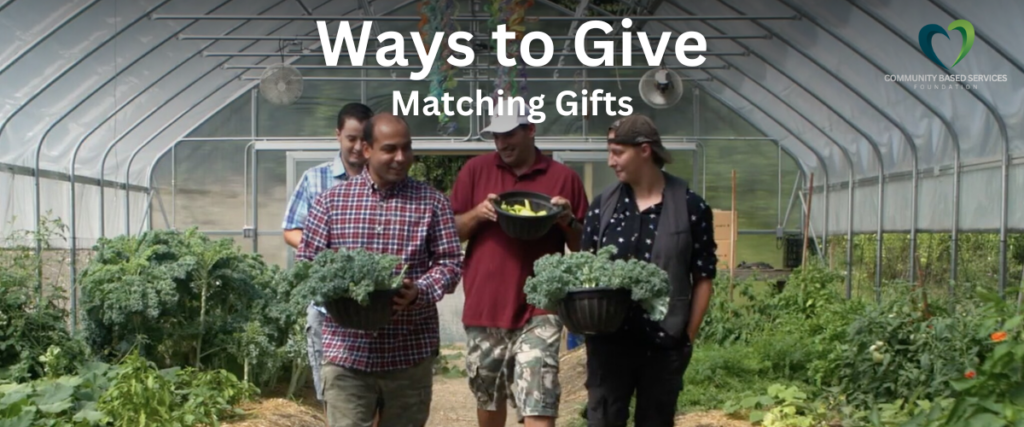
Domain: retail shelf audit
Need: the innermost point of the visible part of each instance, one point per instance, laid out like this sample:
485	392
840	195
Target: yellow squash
524	210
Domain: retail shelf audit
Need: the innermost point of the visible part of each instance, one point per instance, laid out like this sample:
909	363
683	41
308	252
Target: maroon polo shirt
496	266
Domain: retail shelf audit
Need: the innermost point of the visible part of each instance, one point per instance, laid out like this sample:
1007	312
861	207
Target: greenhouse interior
834	132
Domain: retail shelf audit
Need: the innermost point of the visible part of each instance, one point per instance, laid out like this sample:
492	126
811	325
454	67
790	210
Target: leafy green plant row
170	317
131	393
821	360
186	300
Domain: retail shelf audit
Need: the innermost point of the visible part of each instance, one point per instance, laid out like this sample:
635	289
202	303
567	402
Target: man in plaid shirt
383	210
348	162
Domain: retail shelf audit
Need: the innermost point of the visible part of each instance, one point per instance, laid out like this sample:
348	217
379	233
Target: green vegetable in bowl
524	209
556	274
345	273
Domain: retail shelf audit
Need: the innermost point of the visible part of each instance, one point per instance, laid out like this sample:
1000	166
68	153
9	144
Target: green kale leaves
557	274
345	273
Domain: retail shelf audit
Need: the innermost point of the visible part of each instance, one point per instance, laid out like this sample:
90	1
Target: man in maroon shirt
512	349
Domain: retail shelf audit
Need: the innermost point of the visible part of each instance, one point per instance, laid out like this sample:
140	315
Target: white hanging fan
661	88
281	84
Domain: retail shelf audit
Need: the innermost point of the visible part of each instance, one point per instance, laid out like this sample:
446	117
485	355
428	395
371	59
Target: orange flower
999	336
969	375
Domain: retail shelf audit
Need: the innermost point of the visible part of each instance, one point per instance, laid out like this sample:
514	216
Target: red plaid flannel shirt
411	220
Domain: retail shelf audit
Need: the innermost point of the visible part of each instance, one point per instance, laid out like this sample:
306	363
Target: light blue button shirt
314	181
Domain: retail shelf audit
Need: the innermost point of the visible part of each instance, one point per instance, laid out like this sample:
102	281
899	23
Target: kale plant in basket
355	286
592	293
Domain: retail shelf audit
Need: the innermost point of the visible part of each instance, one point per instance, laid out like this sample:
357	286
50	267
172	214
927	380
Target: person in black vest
652	216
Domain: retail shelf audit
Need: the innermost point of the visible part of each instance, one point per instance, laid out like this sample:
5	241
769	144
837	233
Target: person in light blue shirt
349	162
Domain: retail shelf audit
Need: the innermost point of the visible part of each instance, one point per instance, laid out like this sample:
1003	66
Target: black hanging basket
526	227
348	313
595	311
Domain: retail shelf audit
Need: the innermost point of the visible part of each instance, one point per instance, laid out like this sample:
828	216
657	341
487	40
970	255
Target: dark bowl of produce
595	311
348	313
526	215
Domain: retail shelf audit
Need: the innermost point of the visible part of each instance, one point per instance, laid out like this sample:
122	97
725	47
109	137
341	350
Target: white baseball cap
505	123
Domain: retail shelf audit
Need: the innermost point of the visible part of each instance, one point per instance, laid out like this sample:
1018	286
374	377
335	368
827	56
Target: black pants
619	365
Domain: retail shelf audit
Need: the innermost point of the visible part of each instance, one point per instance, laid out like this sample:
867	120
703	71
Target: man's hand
467	222
485	210
407	294
566	214
692	333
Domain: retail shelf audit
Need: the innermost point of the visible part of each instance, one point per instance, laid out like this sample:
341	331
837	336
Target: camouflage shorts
522	363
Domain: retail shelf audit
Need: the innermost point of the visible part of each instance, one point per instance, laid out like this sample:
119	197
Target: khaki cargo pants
521	363
352	396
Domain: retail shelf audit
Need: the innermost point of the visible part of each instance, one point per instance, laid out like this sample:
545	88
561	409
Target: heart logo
924	38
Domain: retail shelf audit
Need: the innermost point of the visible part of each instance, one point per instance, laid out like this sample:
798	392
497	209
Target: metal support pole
73	243
1001	50
146	212
246	177
849	239
54	28
906	136
896	123
774	140
704	167
799	83
823	251
255	174
809	147
174	187
841	148
874	144
956	156
255	202
36	94
110	147
792	197
696	129
154	135
567	46
878	245
585	121
1002	132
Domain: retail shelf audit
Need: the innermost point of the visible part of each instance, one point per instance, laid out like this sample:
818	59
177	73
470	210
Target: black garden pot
595	311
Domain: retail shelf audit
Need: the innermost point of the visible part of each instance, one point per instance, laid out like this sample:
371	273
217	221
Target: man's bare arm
293	237
702	291
466	224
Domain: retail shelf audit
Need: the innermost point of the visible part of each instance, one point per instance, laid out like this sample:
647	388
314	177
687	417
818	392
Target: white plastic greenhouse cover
93	85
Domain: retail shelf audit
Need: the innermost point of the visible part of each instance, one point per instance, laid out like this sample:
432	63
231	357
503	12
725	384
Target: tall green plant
33	323
182	299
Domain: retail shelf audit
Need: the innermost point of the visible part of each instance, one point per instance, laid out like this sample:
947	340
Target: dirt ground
453	405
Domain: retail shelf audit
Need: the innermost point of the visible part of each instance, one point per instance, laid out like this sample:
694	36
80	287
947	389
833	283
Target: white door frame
294	157
291	178
588	158
580	156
